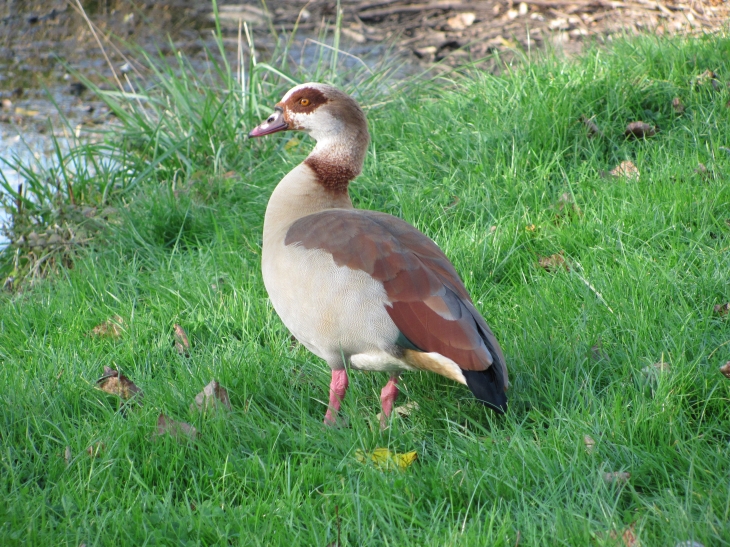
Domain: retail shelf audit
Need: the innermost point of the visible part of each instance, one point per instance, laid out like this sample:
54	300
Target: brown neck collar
331	175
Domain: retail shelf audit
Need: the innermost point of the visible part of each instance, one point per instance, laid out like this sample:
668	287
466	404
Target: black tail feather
488	387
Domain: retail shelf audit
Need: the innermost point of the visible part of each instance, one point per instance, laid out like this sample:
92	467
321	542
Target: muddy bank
38	36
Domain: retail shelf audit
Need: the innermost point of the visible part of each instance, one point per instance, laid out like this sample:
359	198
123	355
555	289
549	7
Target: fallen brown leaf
168	426
677	105
553	262
117	384
627	170
111	328
67	455
722	309
566	204
211	395
182	345
639	130
589	442
707	76
591	126
725	369
95	449
628	537
616	477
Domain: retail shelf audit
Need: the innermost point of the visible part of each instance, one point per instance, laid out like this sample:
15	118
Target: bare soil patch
459	30
35	34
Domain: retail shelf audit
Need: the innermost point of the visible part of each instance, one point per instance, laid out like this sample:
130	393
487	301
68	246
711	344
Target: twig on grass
591	287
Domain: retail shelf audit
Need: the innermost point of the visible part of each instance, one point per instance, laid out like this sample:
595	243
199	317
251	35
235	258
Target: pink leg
338	388
387	398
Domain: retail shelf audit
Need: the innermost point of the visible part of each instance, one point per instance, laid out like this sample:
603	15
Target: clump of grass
455	157
177	130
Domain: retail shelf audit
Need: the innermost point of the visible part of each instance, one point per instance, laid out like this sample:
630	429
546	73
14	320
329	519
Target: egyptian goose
364	289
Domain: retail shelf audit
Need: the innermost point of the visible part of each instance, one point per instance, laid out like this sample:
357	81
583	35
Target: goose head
329	116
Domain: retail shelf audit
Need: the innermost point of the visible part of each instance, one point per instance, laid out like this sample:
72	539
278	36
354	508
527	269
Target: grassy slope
454	158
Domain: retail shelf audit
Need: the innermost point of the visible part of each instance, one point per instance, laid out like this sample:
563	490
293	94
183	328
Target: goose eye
304	102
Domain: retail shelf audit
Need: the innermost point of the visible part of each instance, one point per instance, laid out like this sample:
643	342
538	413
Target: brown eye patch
306	100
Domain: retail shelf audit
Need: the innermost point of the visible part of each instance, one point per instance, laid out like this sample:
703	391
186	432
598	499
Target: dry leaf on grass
117	384
677	105
111	328
553	262
591	126
385	460
67	455
725	369
707	76
722	309
168	426
640	130
628	537
182	345
616	477
589	442
566	204
626	170
212	395
95	449
530	228
401	411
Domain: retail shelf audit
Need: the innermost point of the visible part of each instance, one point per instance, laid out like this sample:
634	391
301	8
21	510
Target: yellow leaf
530	228
20	111
291	143
385	460
506	42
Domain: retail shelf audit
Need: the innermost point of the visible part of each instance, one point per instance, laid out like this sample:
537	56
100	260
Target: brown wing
430	304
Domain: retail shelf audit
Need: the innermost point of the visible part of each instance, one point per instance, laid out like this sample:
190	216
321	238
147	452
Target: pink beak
273	123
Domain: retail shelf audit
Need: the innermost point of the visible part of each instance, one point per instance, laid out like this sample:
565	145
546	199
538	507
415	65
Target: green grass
455	156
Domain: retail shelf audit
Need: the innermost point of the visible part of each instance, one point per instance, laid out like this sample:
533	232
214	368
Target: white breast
334	311
337	313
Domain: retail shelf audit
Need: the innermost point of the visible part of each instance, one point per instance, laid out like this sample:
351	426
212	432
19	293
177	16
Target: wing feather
429	303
